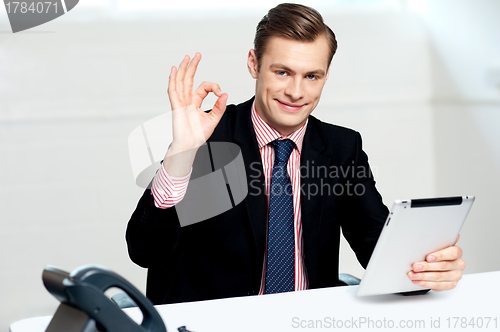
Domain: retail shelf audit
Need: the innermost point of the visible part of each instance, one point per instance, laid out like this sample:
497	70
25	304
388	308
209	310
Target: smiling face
290	79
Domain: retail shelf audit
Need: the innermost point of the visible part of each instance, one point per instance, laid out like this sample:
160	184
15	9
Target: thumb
219	107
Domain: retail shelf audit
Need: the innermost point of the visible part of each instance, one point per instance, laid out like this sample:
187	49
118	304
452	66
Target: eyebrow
282	66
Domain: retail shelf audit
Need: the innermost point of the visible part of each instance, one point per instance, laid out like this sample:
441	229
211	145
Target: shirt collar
266	134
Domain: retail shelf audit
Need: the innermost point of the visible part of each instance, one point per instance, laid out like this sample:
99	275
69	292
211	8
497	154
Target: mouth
289	107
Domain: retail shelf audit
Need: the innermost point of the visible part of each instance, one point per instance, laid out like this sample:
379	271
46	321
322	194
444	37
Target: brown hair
292	21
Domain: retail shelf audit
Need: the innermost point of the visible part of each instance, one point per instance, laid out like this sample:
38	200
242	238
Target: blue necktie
280	270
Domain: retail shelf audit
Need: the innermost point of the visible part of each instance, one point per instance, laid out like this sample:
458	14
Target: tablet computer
413	229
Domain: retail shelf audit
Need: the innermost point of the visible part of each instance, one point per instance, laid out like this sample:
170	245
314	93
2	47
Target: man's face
290	80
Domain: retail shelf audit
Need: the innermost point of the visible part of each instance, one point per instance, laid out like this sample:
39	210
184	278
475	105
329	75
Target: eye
312	77
281	73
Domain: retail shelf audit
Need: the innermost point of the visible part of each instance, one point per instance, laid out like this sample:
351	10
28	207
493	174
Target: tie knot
282	149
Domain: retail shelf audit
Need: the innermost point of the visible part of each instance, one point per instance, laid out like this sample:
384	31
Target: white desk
476	297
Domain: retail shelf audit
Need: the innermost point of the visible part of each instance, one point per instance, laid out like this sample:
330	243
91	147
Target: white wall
465	38
72	90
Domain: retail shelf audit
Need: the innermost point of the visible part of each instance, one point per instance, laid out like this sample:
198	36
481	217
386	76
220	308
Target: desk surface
473	301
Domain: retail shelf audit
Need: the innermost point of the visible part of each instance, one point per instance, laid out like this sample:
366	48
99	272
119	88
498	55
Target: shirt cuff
169	190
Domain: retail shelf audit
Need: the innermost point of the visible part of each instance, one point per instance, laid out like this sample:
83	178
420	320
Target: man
274	240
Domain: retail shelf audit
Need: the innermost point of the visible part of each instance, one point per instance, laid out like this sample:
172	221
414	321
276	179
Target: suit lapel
310	197
256	199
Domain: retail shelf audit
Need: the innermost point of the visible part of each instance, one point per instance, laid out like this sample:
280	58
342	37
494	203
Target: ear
252	63
328	71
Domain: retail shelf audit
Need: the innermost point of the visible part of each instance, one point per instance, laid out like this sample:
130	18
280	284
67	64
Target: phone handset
85	308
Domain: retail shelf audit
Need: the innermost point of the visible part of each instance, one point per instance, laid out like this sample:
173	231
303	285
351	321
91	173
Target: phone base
69	319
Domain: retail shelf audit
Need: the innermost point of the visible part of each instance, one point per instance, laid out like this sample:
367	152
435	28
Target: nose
294	89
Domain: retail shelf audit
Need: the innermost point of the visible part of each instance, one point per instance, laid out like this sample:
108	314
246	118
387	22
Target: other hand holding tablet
441	269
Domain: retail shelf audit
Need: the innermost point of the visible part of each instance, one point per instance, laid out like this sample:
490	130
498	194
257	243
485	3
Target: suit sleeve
151	232
366	212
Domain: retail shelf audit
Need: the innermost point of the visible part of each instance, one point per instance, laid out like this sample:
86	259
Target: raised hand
191	126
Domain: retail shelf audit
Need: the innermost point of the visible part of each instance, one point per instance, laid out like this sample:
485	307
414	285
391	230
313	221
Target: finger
458	238
179	81
454	275
446	254
436	285
191	70
172	93
457	264
205	88
219	108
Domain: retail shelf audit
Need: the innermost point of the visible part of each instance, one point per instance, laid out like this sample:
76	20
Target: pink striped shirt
168	191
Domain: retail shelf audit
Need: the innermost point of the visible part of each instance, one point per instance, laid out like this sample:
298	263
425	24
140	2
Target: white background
418	79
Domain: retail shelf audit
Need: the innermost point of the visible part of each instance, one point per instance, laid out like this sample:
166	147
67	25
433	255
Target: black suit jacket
223	256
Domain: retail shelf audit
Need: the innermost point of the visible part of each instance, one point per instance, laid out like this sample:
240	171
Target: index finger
446	254
206	87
